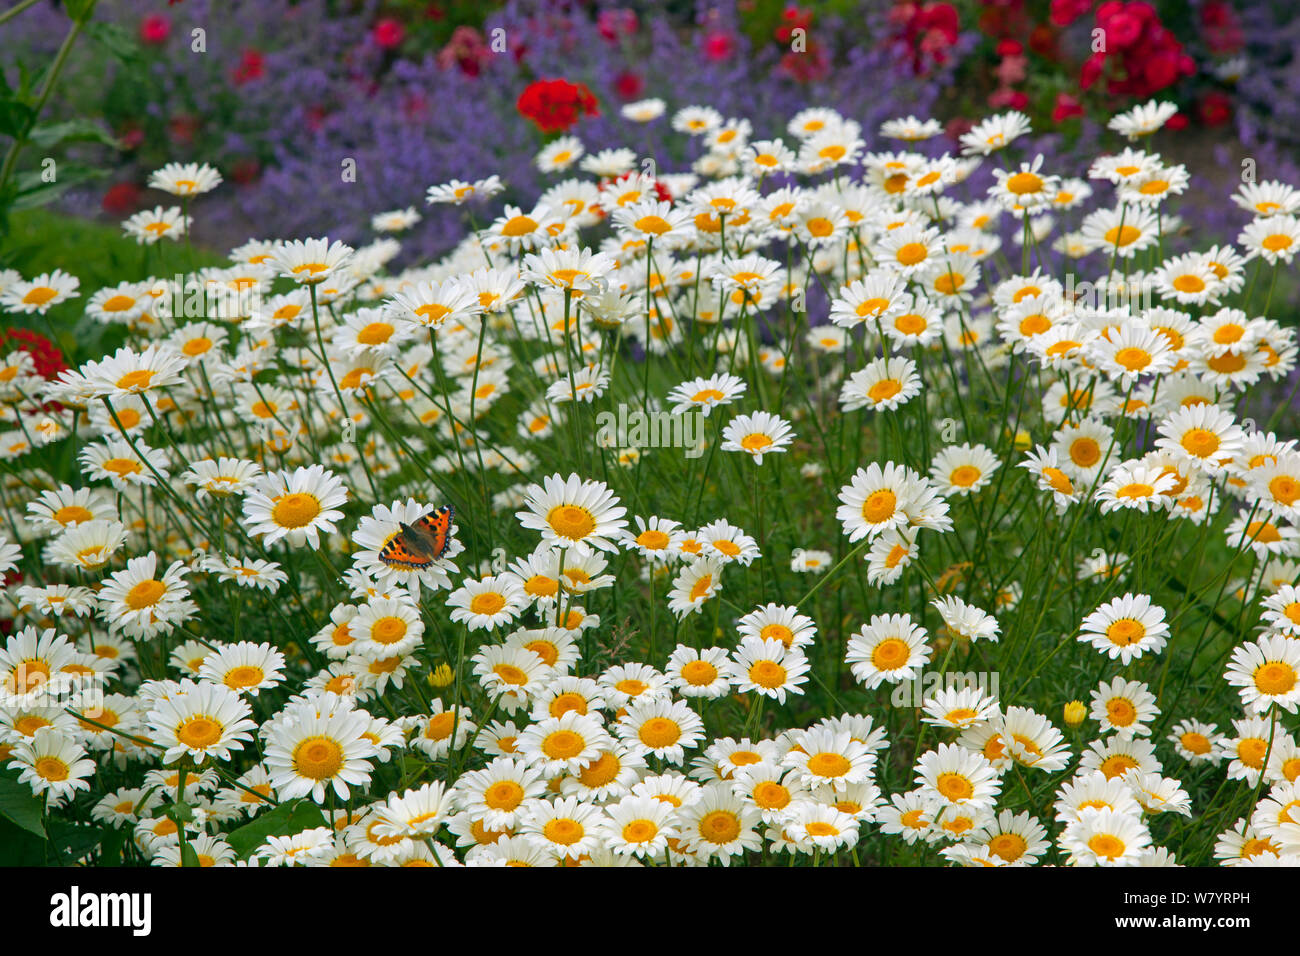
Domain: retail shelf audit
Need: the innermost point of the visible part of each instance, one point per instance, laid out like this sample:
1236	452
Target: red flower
1065	12
1067	107
155	28
1215	109
556	105
1004	97
611	23
388	33
120	199
252	66
792	18
46	356
245	171
1123	28
628	85
1043	41
182	128
466	50
719	46
131	137
1221	28
1148	58
927	30
661	191
812	64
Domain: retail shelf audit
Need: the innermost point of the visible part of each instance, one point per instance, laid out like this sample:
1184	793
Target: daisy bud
1075	713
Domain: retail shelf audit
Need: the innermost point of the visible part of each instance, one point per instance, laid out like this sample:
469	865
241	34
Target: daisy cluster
239	638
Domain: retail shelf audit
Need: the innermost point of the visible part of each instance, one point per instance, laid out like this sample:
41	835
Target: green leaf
285	820
32	192
18	847
18	804
110	850
188	856
71	131
73	841
79	10
116	40
15	116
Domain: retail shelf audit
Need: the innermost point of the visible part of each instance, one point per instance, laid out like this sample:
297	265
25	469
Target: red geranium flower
556	105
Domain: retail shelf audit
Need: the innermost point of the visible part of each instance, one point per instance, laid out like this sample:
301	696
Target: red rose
1160	71
556	105
155	28
1092	69
388	33
1065	12
1122	29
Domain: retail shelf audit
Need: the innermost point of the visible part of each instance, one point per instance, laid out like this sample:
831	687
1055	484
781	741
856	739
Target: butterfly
418	545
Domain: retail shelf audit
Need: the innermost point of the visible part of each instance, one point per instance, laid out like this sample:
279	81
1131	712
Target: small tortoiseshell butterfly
418	545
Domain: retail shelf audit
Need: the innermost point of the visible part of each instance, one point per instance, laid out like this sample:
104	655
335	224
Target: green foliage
285	820
18	806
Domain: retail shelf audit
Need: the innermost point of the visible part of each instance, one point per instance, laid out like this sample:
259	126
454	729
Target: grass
96	253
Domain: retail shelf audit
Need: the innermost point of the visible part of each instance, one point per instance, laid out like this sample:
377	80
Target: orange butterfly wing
417	546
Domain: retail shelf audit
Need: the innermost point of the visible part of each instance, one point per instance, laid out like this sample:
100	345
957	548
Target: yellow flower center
518	226
909	254
145	594
1107	845
890	654
487	603
571	521
318	758
199	732
767	674
879	506
1024	183
246	675
295	510
658	732
1125	631
1275	678
699	673
954	787
1123	235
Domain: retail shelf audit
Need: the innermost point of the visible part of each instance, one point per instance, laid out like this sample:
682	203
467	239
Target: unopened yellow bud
1075	712
441	676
